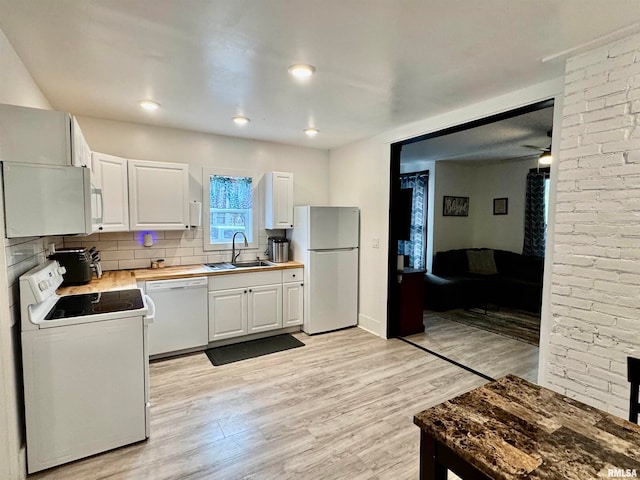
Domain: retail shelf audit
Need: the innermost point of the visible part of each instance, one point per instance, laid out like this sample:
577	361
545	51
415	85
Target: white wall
17	87
508	179
359	175
453	180
595	290
482	183
144	142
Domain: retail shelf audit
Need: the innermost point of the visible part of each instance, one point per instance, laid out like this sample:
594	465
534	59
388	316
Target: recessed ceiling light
240	120
149	105
302	71
311	132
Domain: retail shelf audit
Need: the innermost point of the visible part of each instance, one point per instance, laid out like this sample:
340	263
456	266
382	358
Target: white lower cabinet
227	313
246	303
265	308
292	304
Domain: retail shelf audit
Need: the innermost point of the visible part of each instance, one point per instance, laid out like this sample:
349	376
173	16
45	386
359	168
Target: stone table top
513	429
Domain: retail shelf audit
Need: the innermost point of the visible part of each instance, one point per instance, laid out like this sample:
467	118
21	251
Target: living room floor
341	407
489	353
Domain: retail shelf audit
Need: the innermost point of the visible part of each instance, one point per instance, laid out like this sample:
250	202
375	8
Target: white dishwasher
181	322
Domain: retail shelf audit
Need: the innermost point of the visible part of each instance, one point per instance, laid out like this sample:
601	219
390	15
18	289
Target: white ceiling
517	137
380	63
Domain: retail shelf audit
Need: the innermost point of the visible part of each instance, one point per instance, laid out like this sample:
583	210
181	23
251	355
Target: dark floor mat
252	349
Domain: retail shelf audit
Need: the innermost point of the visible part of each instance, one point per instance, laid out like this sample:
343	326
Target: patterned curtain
230	192
534	219
415	246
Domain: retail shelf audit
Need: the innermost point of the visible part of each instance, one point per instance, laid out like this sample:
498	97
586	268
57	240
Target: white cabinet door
32	135
279	200
265	308
158	195
292	304
81	153
227	313
110	176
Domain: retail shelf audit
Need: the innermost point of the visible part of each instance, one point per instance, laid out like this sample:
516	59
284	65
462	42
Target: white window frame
207	172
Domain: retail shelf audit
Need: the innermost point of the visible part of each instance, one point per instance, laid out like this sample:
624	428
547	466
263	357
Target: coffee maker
278	249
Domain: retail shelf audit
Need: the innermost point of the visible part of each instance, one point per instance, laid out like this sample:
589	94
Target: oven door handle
152	310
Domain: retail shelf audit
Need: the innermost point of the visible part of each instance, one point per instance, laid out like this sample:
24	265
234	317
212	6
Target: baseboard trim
371	325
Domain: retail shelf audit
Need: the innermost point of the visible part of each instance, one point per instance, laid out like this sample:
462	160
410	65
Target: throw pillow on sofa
482	262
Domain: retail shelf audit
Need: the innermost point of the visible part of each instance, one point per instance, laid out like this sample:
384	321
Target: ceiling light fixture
311	132
240	120
301	70
545	158
149	105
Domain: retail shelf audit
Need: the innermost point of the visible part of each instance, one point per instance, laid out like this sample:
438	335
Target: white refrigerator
325	240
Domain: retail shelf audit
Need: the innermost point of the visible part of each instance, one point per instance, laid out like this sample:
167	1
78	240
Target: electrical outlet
375	243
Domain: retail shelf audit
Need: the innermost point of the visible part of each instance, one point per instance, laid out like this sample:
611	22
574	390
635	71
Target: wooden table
512	429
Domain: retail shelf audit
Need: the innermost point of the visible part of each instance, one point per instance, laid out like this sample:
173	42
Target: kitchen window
231	205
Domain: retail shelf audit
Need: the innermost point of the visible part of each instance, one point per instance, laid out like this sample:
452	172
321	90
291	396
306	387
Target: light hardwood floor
486	352
339	408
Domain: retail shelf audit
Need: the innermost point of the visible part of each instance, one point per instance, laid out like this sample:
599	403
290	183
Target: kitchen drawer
239	280
293	275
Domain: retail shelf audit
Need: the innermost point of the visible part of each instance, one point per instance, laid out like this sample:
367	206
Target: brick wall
596	264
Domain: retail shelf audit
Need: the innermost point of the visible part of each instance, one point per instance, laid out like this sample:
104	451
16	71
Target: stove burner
94	303
113	307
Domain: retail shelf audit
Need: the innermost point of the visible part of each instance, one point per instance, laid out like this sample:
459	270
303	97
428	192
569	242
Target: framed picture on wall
500	206
455	206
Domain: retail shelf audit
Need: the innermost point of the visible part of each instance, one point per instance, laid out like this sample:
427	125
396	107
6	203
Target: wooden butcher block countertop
111	280
200	270
125	279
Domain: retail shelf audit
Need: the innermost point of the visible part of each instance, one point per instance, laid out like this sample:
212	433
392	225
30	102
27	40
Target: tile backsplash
124	250
22	255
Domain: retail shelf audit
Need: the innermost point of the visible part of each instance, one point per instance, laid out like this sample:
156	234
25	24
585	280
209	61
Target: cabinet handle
99	228
294	275
302	284
245	291
250	290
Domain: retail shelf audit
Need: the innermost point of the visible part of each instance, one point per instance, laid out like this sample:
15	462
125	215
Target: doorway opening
480	168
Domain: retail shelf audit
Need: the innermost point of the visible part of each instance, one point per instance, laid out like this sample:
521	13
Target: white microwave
42	200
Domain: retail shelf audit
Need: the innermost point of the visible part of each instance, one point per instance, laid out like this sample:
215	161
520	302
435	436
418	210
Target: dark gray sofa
516	281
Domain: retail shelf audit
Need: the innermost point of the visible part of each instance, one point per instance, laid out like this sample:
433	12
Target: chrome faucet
235	255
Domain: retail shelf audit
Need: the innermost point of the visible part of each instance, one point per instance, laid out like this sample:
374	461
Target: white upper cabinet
110	176
32	135
158	195
80	148
279	200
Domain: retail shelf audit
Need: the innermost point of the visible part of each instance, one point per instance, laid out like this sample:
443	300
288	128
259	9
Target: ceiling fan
545	158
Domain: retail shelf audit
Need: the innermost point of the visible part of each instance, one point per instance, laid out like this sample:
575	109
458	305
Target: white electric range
85	368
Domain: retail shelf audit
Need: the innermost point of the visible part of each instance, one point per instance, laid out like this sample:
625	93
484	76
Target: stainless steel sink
220	266
252	263
231	266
